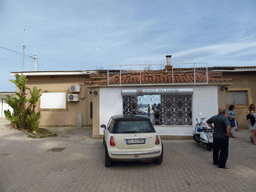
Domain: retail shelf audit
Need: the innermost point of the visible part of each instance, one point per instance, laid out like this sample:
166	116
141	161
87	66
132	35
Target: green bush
24	115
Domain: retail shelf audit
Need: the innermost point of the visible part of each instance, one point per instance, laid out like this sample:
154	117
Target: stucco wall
96	113
222	97
66	117
243	81
111	103
205	101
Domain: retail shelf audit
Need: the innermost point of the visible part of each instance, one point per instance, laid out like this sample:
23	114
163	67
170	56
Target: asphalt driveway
74	161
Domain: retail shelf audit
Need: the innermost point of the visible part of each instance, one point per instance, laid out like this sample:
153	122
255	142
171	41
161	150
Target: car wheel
108	162
160	159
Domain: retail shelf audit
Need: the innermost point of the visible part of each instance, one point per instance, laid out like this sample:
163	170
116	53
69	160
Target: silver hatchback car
131	138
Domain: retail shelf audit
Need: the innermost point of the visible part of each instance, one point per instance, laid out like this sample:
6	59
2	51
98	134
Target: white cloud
216	50
203	54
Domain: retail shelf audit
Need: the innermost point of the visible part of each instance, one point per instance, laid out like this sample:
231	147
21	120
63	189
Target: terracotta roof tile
154	78
97	76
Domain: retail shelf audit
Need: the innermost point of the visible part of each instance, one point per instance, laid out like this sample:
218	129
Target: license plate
135	141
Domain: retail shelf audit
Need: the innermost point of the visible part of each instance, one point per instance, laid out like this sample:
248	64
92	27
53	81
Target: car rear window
133	126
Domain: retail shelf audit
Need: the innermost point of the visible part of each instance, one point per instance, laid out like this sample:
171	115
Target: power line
17	52
11	59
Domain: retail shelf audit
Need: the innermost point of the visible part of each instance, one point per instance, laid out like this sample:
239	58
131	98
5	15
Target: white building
3	105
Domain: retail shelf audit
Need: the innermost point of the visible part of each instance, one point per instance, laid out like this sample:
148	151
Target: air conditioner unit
74	88
73	97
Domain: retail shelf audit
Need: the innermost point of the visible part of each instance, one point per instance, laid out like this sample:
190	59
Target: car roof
127	117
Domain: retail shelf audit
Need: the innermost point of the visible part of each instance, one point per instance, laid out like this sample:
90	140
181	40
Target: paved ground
27	165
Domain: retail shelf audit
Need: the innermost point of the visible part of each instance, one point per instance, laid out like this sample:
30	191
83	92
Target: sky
101	34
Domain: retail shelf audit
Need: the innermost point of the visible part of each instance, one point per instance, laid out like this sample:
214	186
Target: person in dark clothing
222	131
251	116
157	115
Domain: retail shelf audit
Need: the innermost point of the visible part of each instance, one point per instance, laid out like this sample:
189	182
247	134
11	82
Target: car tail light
112	141
157	140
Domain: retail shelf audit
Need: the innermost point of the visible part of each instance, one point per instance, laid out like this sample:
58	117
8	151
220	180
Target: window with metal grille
162	109
237	98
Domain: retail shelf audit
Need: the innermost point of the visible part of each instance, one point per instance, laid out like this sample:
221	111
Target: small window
237	98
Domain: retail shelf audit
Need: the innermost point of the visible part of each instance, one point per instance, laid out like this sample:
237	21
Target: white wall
111	103
4	106
204	100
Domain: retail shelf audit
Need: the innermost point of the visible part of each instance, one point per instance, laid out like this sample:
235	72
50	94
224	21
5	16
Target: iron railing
153	68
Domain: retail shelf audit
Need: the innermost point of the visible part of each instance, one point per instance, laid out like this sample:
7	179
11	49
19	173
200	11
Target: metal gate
168	110
177	109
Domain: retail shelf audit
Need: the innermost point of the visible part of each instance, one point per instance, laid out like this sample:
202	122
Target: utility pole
35	58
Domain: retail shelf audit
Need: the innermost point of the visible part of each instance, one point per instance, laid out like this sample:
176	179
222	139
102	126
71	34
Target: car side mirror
103	126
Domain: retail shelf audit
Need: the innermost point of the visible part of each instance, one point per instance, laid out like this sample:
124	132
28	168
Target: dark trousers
220	152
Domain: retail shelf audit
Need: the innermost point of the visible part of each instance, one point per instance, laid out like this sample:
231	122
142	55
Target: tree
24	115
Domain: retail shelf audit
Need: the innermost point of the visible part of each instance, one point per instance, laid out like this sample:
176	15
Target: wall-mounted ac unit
73	97
74	88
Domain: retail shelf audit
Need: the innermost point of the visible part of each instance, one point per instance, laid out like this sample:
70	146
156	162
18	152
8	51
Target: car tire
160	159
108	161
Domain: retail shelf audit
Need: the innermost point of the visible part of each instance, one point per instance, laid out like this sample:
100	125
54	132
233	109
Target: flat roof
45	73
86	72
7	93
